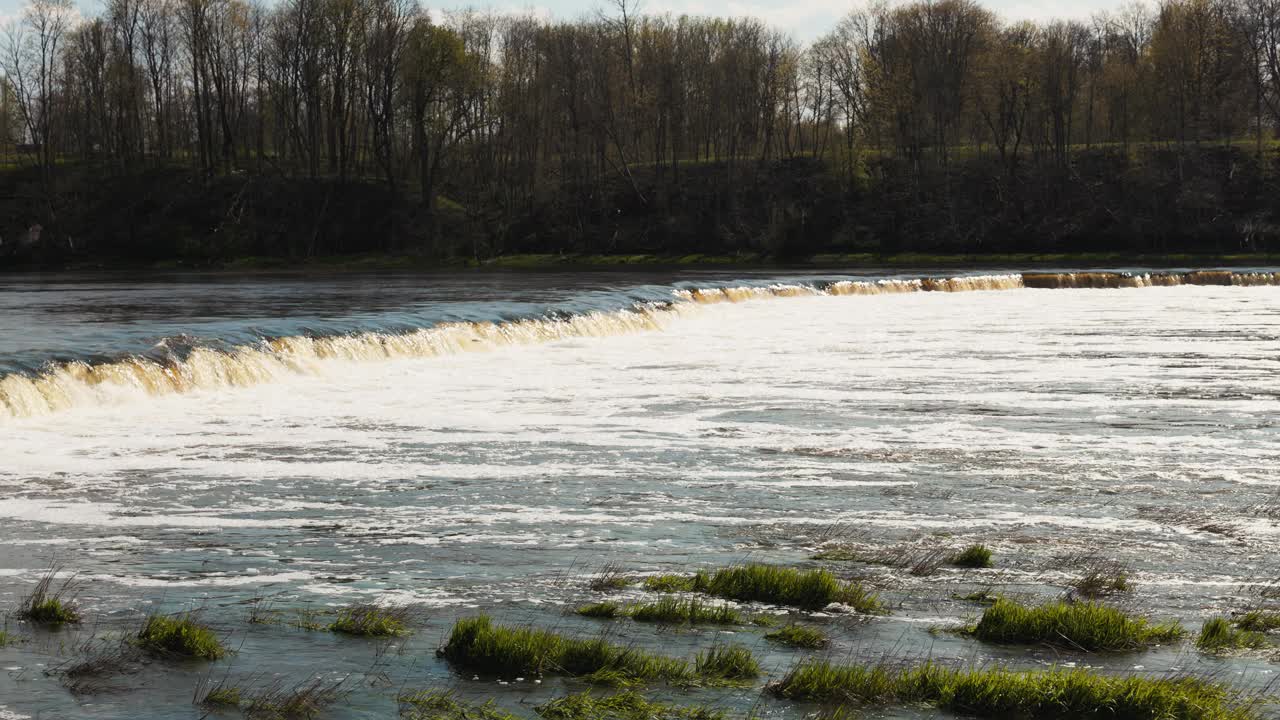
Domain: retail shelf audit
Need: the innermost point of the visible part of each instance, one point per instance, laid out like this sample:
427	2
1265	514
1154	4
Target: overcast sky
805	19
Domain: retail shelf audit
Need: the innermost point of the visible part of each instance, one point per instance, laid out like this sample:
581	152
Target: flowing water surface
486	442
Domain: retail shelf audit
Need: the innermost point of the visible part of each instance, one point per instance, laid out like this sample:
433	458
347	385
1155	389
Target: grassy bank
1001	693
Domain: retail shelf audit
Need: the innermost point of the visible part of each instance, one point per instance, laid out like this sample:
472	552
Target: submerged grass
181	636
1217	636
974	556
1082	626
479	645
622	706
371	620
49	604
1101	578
1000	692
304	701
798	636
444	705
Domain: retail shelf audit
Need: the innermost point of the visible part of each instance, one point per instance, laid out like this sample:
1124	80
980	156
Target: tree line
509	114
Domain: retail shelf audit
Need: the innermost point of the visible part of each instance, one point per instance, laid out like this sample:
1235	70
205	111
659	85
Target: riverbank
594	262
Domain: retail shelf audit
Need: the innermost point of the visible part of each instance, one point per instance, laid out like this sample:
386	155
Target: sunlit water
1137	425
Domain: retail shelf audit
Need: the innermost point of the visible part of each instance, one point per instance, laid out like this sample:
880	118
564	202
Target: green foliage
479	645
622	706
179	635
7	638
1003	693
798	636
673	611
1083	626
671	583
1259	621
727	662
444	705
974	556
47	605
805	589
222	695
372	621
605	610
1217	635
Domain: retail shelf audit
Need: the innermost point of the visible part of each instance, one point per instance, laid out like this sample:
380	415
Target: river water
487	441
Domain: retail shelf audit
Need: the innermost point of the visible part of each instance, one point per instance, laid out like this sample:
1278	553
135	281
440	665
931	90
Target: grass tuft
1217	636
1082	626
179	635
370	620
1000	692
303	701
728	662
672	583
1101	579
444	705
622	706
974	556
610	577
479	645
805	589
673	611
1260	621
604	610
221	696
798	636
47	605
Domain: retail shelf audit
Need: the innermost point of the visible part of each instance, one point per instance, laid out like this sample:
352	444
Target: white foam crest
77	384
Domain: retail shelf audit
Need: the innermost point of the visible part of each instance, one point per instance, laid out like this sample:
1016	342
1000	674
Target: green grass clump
974	556
47	605
728	662
1217	635
837	555
672	583
1082	626
805	589
222	696
443	705
798	636
479	645
7	638
179	635
673	611
622	706
606	610
1000	692
368	620
1259	621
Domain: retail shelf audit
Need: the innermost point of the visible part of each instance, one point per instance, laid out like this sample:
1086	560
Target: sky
804	19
